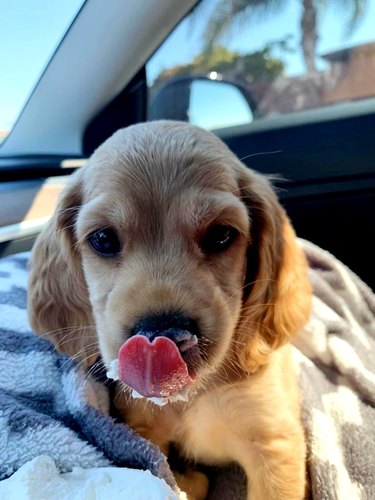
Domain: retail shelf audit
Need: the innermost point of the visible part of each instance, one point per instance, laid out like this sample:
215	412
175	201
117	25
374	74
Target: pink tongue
153	369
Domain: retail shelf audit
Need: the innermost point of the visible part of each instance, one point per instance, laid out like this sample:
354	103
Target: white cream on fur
113	374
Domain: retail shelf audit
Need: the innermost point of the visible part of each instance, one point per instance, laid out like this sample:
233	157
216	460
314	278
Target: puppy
167	254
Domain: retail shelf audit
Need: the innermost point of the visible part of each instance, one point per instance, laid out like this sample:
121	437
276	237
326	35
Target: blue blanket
48	406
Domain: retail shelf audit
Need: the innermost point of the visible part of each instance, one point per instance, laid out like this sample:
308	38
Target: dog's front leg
274	462
275	467
255	425
157	425
148	420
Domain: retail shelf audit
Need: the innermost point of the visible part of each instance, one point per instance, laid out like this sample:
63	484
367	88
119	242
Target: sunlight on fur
188	229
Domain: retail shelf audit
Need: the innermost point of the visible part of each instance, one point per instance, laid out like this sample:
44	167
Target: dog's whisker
261	153
256	306
73	225
77	357
242	288
65	329
84	331
231	365
88	345
261	280
239	290
68	339
68	209
236	341
93	370
278	362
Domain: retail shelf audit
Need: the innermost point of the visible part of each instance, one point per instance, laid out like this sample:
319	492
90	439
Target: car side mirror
207	101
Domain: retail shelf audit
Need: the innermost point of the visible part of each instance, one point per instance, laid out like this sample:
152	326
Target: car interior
288	86
97	81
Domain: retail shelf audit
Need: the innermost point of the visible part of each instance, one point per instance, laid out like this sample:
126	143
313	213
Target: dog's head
165	233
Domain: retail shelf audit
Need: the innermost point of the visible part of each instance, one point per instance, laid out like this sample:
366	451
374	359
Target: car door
301	106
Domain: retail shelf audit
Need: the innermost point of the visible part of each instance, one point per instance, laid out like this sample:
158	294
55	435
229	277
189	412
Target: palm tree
227	11
309	35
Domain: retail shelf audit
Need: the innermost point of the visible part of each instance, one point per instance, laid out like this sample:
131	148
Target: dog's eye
218	238
105	242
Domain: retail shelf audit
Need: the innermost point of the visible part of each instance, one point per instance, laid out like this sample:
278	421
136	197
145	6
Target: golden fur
160	186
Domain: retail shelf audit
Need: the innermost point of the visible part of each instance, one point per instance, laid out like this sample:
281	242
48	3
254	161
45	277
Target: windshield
30	31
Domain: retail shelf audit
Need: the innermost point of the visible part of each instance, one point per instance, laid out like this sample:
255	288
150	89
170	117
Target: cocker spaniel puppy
171	259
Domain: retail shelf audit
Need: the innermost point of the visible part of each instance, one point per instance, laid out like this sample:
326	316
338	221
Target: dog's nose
167	324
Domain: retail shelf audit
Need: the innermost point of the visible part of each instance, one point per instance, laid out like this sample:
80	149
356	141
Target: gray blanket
336	357
48	406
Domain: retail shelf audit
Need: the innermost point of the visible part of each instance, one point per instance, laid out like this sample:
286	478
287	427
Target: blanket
335	353
49	407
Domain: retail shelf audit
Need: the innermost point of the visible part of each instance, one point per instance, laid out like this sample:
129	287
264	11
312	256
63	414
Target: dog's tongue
154	369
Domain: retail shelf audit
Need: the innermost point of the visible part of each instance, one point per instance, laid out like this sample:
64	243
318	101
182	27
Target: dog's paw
193	483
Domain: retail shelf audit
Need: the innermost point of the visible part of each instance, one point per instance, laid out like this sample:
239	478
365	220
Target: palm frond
228	13
358	9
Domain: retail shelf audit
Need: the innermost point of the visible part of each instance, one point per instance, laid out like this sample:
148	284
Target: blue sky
30	30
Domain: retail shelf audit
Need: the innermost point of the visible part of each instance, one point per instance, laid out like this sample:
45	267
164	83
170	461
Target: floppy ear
58	303
277	297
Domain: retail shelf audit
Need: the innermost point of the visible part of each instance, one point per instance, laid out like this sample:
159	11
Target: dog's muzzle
160	357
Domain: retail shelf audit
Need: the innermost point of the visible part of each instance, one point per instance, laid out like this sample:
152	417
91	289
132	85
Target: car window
30	31
232	62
